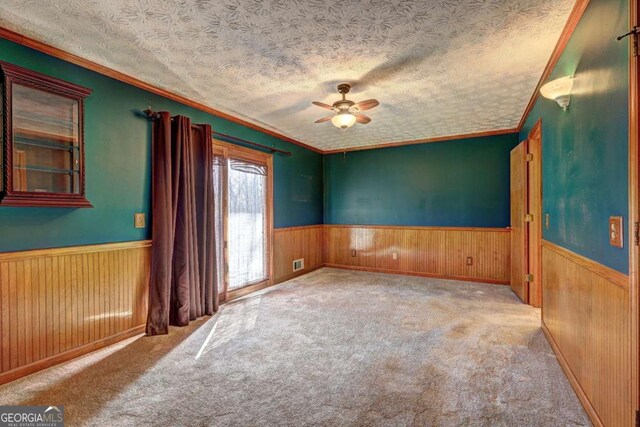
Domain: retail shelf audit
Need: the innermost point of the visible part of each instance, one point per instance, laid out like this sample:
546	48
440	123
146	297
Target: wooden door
519	235
534	202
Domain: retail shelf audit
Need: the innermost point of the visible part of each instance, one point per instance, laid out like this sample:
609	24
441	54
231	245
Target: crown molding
45	48
117	75
424	141
570	26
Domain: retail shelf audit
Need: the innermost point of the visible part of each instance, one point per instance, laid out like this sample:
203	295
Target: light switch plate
616	232
139	220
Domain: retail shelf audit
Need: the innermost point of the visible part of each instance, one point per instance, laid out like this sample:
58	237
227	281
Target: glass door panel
247	223
219	191
242	185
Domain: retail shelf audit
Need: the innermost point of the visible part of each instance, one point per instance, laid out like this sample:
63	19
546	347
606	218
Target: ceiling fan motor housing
343	104
344	88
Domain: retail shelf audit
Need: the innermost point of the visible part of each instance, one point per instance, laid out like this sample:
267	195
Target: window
243	186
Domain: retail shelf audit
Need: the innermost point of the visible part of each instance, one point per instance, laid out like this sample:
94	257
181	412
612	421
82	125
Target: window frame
229	151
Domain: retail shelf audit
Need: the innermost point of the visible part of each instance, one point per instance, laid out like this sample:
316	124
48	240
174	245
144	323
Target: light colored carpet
330	348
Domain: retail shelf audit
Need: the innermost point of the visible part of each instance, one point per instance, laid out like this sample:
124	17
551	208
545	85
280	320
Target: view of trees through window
247	189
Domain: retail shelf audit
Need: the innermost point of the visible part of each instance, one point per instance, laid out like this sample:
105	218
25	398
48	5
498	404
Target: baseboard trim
239	293
43	364
419	274
582	396
297	274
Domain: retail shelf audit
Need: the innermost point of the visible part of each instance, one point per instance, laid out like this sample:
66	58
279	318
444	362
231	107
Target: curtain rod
152	115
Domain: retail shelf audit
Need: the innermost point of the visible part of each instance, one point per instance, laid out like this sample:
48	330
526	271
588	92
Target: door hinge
634	32
528	218
528	277
636	236
529	157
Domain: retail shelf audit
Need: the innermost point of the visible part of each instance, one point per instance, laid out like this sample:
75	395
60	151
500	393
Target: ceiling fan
347	112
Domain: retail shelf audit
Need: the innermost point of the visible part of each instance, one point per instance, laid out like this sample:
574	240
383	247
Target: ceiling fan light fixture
347	113
343	120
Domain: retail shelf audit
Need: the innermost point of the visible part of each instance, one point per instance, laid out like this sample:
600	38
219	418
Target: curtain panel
183	278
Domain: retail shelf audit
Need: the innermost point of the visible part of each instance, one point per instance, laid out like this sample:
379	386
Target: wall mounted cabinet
42	140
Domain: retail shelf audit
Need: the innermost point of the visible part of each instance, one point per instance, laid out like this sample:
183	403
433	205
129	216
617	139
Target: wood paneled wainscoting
423	251
585	315
294	243
56	304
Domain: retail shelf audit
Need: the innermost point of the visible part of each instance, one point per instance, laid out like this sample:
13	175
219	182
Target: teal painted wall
585	149
118	165
463	183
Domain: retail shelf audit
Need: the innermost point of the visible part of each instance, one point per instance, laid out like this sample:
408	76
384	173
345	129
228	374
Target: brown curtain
183	280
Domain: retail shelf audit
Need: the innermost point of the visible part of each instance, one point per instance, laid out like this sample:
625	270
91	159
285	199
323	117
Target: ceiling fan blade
362	119
324	119
322	105
365	105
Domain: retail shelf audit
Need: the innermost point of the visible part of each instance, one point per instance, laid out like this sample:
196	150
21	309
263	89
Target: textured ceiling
438	67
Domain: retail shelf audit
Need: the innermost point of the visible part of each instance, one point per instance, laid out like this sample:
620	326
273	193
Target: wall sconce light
559	90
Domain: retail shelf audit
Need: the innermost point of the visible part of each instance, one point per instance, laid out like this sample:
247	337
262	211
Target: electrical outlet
139	220
394	255
616	232
469	261
353	252
546	221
